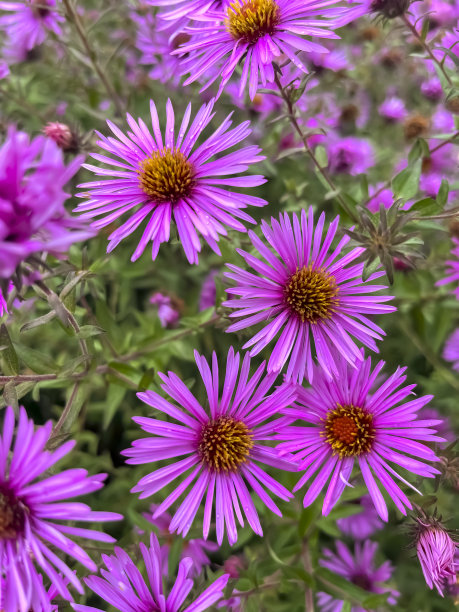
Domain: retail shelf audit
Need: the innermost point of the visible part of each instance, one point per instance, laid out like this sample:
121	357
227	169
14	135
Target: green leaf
426	206
406	183
10	358
10	396
35	360
87	331
443	192
321	156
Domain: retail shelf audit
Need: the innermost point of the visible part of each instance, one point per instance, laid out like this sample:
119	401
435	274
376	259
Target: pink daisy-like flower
306	293
123	586
349	155
222	446
30	537
26	23
163	179
33	218
257	33
359	569
349	421
437	554
195	549
364	524
452	269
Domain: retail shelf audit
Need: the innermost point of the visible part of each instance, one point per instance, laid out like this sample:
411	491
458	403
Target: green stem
293	121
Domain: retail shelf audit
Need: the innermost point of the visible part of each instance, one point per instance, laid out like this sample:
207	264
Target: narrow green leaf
10	358
406	183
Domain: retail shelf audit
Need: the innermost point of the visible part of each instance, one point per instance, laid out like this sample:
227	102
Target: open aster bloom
452	269
26	23
32	214
346	422
358	568
257	33
123	586
437	554
195	549
362	525
30	537
309	295
222	446
158	180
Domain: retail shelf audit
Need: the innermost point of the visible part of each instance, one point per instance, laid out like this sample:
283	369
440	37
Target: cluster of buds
384	241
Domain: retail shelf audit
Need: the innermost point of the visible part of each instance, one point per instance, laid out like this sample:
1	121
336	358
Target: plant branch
74	18
293	121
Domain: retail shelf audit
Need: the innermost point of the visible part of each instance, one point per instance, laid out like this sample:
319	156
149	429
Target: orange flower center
311	294
249	20
166	176
349	430
224	444
12	515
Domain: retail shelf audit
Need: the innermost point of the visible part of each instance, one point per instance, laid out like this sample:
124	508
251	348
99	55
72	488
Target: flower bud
62	135
436	550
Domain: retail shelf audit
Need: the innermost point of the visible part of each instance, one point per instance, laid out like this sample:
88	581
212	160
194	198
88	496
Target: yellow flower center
12	515
166	176
311	294
224	444
249	20
349	430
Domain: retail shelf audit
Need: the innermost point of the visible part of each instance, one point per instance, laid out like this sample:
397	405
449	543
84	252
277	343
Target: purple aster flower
168	313
348	422
26	23
451	350
161	180
364	524
393	109
350	156
4	70
123	586
452	269
195	549
308	295
30	537
257	33
444	428
222	446
208	296
437	554
358	568
32	213
156	46
384	197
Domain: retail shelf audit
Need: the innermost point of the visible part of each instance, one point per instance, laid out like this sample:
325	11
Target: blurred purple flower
393	109
167	312
256	33
307	290
28	511
359	569
432	89
208	291
4	70
32	213
452	269
349	155
384	197
223	446
444	429
436	553
364	524
123	586
27	23
347	422
443	121
451	350
156	46
195	9
165	179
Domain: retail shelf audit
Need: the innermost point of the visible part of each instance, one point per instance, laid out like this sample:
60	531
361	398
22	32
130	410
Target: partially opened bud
62	136
436	550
